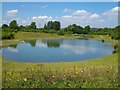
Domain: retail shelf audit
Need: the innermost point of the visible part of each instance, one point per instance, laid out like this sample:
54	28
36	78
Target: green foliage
86	29
50	25
4	26
8	35
45	26
116	49
100	73
33	25
56	25
74	29
13	24
115	33
61	32
112	32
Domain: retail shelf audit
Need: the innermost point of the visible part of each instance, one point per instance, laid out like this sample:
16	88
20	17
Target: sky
95	14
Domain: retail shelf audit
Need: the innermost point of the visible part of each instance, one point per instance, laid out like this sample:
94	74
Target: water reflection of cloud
40	44
12	49
78	49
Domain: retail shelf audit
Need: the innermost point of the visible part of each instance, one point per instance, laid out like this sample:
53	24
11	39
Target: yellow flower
54	83
63	78
53	76
76	68
25	79
76	72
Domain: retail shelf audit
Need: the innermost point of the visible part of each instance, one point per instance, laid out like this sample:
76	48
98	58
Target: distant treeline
55	27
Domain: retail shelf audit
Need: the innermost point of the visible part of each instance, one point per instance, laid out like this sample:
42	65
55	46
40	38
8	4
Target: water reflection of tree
32	42
13	46
51	43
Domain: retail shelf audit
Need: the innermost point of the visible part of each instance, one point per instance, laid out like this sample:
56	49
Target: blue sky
96	14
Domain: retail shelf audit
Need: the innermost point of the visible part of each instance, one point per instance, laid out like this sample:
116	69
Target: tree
45	26
74	29
56	25
33	25
4	26
86	29
50	25
13	24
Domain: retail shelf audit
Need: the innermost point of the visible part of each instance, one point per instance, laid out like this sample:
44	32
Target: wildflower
54	83
63	78
69	85
25	79
64	75
76	72
9	73
53	76
76	68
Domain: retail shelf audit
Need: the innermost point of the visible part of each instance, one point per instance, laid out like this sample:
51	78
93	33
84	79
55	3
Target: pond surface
49	50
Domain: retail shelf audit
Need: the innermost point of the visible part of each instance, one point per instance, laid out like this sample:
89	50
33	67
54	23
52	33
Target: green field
95	73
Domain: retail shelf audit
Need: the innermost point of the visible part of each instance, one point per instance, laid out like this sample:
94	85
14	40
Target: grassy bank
95	73
34	35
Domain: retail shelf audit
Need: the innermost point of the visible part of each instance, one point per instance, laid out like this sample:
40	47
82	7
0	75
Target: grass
36	35
33	35
95	73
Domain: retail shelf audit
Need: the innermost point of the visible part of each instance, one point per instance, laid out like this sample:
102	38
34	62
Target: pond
57	50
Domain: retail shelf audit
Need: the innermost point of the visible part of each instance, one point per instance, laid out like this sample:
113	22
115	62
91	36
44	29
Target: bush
52	31
61	32
16	31
7	35
116	48
103	40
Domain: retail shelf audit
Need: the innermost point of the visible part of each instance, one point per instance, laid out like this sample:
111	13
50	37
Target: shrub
116	47
7	35
103	40
61	32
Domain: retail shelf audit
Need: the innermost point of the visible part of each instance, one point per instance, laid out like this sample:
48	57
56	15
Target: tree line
55	27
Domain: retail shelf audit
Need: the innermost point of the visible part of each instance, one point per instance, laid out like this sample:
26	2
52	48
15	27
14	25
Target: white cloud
79	12
77	49
40	44
41	20
67	10
12	49
79	17
116	9
113	11
94	16
67	17
41	17
12	12
4	21
35	6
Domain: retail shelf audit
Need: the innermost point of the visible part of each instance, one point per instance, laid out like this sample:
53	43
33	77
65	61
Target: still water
56	50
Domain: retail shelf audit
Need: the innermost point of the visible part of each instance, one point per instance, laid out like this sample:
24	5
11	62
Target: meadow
95	73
